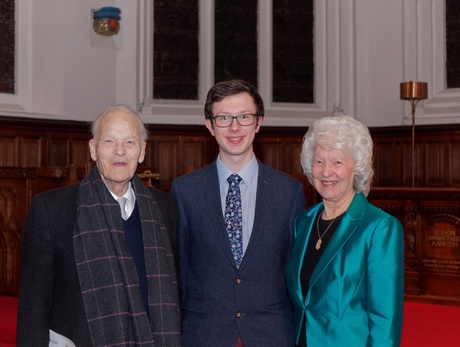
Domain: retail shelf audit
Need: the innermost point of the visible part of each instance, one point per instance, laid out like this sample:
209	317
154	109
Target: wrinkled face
333	174
235	141
118	150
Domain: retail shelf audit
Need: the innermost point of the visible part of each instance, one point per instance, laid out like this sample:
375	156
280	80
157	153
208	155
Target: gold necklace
319	242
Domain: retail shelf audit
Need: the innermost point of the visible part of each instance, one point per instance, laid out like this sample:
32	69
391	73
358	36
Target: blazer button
238	280
239	314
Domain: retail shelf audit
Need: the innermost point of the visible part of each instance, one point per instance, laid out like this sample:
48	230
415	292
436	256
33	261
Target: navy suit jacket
219	300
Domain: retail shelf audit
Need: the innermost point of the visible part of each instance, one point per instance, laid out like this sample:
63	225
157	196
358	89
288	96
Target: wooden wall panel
407	171
386	164
80	153
294	165
437	156
272	154
151	156
13	202
437	171
47	154
30	152
280	148
8	151
169	165
58	152
194	155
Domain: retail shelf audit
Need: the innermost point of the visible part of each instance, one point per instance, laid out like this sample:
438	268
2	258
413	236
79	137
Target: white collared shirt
130	200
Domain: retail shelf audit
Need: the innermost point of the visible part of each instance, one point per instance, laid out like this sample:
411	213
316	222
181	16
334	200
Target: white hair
348	135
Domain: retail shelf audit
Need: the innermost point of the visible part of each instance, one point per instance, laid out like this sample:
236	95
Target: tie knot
234	179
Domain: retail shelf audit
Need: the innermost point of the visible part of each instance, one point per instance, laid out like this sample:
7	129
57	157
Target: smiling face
117	150
235	141
333	175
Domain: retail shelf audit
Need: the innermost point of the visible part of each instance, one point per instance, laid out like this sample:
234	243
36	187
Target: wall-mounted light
106	21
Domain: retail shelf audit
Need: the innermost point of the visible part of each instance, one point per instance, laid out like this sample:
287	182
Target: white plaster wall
365	48
64	72
90	61
379	49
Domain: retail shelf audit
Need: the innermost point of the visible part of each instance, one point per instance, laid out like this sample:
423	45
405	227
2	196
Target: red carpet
8	316
425	325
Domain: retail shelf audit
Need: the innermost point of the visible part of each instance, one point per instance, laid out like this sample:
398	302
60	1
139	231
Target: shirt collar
129	195
248	173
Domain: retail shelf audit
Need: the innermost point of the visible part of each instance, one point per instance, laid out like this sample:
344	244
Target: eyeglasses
224	121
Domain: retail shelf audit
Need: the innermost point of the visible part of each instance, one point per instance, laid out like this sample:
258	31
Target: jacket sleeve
386	283
37	277
183	244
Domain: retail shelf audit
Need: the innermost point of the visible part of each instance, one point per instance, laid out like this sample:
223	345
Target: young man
95	271
233	248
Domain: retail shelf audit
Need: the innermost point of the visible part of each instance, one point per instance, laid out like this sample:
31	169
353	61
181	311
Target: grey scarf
108	276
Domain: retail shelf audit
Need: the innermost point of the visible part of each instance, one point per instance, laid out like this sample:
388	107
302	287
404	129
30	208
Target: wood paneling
437	156
17	188
29	147
431	221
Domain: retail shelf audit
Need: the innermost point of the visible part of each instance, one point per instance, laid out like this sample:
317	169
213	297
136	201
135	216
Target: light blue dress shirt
248	189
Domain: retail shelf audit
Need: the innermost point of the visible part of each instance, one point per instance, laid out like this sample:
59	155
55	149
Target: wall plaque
442	243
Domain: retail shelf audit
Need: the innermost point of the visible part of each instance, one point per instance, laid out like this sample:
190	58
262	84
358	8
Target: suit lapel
304	230
346	228
262	211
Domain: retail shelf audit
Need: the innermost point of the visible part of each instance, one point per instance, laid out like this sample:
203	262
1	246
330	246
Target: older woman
346	272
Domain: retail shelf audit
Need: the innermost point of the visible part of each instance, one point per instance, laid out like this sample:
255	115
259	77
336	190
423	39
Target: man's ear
142	156
259	123
92	149
210	126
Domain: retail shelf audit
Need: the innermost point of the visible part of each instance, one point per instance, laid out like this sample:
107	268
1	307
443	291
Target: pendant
318	244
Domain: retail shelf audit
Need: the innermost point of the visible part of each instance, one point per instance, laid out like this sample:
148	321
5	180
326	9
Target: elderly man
98	258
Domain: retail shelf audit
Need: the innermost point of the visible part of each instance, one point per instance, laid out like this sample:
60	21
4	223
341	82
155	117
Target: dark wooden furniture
431	221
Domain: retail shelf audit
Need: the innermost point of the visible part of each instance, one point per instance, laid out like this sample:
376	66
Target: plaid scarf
108	276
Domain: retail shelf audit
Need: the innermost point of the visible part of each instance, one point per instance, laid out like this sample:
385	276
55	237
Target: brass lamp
414	92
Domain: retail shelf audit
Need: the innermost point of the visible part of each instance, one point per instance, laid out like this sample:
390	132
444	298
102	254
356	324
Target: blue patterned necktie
233	218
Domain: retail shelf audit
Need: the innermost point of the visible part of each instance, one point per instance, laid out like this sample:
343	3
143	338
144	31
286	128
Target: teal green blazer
356	292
